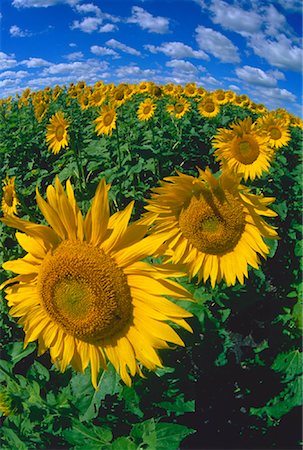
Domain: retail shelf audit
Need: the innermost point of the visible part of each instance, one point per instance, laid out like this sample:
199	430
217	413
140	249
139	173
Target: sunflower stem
118	145
156	162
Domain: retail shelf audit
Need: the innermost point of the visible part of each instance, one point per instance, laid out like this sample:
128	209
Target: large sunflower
275	128
82	292
9	200
146	110
106	122
244	149
57	136
213	225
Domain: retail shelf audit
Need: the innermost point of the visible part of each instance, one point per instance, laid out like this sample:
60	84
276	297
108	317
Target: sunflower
190	90
83	292
106	122
244	149
179	109
208	106
275	128
213	225
57	136
146	110
220	96
9	200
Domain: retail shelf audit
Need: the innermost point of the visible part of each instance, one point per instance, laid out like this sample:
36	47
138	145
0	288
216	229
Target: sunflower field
151	280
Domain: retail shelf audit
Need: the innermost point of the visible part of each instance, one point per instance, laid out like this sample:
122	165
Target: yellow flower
106	122
40	109
146	110
220	96
213	225
83	292
57	136
244	149
9	200
275	128
179	109
6	408
208	106
190	89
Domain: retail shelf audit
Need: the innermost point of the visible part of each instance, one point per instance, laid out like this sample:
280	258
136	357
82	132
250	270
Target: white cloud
233	87
10	73
291	5
209	80
7	61
15	31
74	56
274	22
177	50
124	48
235	18
217	44
41	3
107	28
256	76
76	68
280	52
35	62
134	73
87	25
179	65
146	21
88	8
103	51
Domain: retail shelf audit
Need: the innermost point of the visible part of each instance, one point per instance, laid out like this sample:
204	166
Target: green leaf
178	406
289	363
108	385
160	436
12	439
123	443
38	372
132	401
18	351
280	405
87	436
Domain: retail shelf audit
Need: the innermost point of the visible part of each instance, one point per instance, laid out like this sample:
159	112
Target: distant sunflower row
179	99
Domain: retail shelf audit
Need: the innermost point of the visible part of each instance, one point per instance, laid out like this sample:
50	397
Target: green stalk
156	161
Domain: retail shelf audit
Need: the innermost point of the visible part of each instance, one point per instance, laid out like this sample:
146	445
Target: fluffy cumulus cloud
88	8
32	63
133	73
279	52
16	31
146	21
234	18
11	74
179	65
42	3
104	51
124	48
217	44
256	76
177	50
89	70
7	61
87	25
107	28
74	56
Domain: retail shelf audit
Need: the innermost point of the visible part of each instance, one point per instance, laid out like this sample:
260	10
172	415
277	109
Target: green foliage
239	375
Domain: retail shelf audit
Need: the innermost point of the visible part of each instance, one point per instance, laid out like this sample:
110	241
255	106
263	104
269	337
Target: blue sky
250	46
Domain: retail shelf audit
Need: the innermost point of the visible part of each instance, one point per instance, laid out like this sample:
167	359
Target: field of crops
150	241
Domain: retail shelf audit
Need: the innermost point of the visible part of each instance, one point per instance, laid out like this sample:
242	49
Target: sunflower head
106	122
179	108
83	292
243	149
275	128
208	107
9	200
57	136
146	110
212	224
